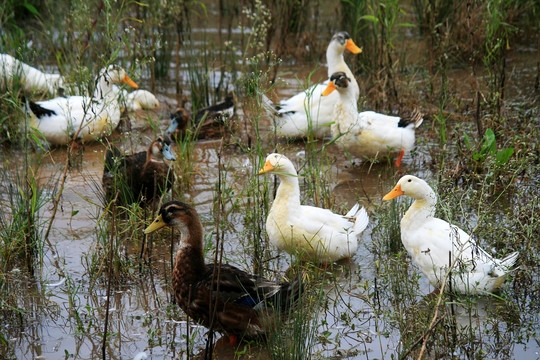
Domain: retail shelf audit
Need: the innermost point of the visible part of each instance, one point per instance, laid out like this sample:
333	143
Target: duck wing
252	291
38	110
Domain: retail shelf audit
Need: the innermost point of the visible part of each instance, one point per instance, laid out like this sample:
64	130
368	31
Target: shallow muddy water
363	297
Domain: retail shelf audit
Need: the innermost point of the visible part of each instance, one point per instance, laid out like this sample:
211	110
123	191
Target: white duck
59	119
368	134
136	100
432	242
31	78
295	114
309	232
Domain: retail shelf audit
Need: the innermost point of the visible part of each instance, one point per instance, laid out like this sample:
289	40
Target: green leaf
488	143
31	8
134	19
503	156
370	18
467	141
407	25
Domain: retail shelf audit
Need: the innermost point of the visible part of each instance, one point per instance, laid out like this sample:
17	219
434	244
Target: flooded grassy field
74	269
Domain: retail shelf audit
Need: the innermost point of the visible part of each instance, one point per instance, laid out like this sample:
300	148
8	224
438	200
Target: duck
210	122
140	177
30	78
136	100
64	119
436	246
307	110
310	233
368	134
245	306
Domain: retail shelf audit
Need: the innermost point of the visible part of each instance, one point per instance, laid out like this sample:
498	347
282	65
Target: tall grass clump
295	337
22	225
499	31
375	24
22	242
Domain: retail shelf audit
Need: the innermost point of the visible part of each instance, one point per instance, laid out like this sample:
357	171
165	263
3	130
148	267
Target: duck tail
111	159
271	108
416	118
289	293
361	218
510	260
36	109
502	267
220	111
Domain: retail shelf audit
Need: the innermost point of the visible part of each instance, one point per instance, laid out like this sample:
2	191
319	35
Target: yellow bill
156	225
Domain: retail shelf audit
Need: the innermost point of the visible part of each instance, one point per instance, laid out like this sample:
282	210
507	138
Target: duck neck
288	193
104	89
345	112
189	264
150	155
336	62
422	208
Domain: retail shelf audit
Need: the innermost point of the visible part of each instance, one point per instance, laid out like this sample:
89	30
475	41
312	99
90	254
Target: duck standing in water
208	123
308	109
142	176
244	305
309	232
368	134
435	244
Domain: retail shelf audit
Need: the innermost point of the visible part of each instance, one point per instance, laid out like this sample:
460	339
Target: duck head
175	214
412	186
338	81
114	74
341	41
180	120
278	164
161	148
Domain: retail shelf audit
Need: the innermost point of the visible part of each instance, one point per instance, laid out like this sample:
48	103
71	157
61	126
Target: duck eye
410	180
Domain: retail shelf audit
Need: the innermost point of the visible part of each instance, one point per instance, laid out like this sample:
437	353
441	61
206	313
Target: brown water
142	316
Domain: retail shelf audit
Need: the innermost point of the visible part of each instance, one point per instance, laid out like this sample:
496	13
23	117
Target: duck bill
167	153
396	191
156	225
266	168
329	88
130	82
172	127
351	46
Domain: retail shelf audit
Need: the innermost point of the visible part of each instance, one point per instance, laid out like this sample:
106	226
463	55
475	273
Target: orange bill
331	87
130	82
351	46
266	168
396	191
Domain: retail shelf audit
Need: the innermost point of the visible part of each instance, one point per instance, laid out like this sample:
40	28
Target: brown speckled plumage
242	301
210	122
142	176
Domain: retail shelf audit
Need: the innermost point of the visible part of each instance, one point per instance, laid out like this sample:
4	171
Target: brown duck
210	122
142	176
245	305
